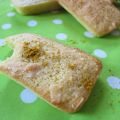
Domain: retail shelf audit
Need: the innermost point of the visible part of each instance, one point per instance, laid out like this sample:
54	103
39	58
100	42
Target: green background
104	102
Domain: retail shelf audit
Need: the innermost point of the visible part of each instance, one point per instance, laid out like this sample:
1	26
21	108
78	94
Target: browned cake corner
61	75
29	7
98	16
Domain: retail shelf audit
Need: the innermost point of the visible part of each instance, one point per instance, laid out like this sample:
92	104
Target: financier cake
29	7
98	16
61	75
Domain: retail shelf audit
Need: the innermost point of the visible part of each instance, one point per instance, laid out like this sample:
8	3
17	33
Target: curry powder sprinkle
32	51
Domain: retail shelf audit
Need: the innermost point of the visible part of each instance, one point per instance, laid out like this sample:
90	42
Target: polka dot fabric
61	36
2	42
100	53
19	103
32	23
6	26
27	96
11	14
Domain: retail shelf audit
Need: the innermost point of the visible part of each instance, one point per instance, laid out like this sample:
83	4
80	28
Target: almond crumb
44	64
56	56
88	85
32	52
72	66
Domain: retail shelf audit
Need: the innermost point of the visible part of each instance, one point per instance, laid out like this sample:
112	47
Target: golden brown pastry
61	75
98	16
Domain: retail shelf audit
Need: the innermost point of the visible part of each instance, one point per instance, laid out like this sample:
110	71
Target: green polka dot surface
19	103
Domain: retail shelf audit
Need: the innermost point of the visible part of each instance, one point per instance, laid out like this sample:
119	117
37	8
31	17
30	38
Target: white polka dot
100	53
6	26
61	36
27	96
57	21
88	34
115	33
32	23
2	42
114	82
11	5
11	14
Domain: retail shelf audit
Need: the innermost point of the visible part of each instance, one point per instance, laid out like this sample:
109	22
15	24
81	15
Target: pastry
98	16
28	7
61	75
